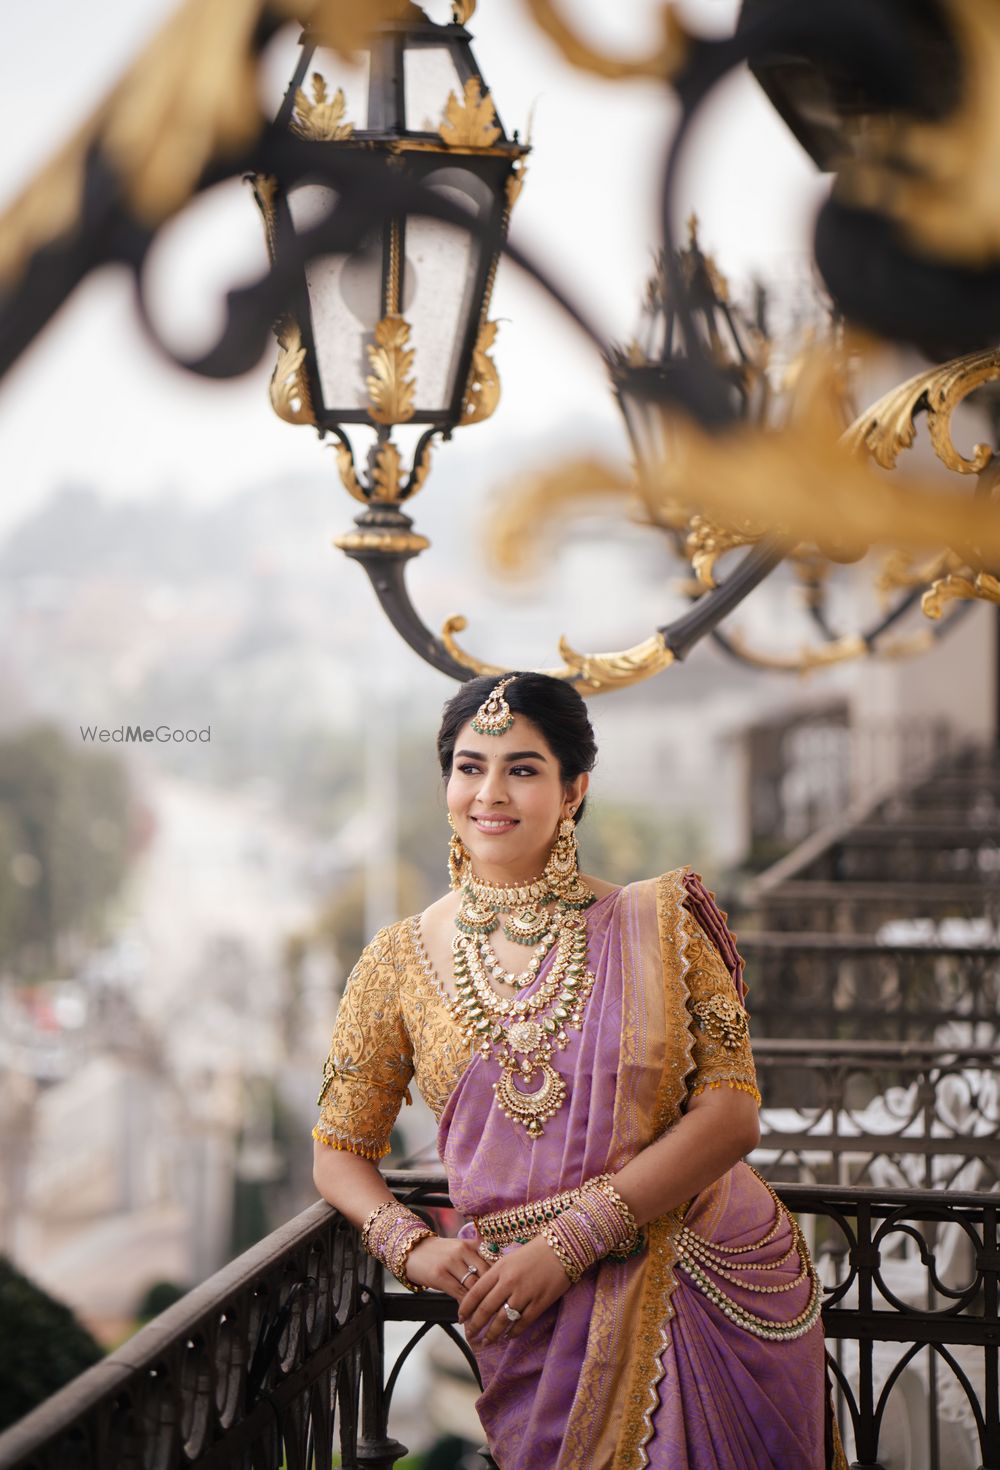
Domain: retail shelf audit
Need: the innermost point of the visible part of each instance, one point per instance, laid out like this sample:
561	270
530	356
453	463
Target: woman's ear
576	789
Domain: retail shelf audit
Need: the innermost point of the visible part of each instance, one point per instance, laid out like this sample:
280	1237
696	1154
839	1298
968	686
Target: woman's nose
493	787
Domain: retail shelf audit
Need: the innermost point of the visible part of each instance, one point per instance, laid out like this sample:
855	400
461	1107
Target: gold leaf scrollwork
322	119
390	389
707	541
983	587
289	388
599	673
387	472
469	122
900	570
591	673
889	425
822	656
483	392
348	472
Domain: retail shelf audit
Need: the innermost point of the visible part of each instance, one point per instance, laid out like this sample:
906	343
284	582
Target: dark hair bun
550	704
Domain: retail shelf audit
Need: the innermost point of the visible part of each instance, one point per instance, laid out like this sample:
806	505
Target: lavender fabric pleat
727	1400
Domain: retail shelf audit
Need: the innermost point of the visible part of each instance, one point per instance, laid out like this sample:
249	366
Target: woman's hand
530	1279
440	1263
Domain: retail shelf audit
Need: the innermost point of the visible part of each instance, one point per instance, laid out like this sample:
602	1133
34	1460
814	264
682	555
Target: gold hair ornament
493	717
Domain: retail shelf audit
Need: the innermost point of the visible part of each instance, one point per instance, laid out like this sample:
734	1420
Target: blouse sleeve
370	1064
719	1023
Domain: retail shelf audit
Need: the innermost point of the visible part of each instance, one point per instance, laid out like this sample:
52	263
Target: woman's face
507	798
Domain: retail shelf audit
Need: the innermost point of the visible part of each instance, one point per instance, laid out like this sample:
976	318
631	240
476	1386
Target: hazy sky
93	402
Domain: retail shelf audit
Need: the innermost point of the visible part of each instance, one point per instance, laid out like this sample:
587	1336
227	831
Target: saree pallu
634	1366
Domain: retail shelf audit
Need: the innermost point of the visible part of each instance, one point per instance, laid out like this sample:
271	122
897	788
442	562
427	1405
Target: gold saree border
652	1335
590	1435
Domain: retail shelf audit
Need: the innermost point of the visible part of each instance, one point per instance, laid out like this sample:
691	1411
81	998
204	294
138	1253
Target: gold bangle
370	1221
399	1265
565	1259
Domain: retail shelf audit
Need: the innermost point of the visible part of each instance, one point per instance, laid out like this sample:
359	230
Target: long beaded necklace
522	1032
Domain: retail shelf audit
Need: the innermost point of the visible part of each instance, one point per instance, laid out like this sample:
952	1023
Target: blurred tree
65	835
156	1299
42	1345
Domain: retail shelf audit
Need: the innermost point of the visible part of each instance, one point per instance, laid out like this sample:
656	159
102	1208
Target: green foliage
42	1345
157	1298
64	839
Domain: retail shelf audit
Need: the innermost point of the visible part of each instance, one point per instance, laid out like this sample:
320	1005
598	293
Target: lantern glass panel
439	294
429	75
345	302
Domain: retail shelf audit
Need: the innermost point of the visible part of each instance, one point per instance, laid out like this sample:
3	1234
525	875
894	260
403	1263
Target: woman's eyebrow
515	755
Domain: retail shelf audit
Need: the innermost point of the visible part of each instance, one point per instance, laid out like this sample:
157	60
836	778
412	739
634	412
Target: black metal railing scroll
278	1362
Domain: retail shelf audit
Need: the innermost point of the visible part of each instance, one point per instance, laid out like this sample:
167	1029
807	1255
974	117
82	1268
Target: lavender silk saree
634	1366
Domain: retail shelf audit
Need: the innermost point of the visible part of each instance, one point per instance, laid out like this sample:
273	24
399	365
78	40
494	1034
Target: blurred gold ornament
937	178
661	64
189	97
806	660
982	587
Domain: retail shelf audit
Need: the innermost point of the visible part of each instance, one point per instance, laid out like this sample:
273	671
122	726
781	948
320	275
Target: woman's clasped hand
528	1280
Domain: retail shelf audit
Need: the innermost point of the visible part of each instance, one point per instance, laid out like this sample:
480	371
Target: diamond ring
512	1314
472	1271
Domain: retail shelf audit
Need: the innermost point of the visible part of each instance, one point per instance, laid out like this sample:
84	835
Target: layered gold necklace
523	1031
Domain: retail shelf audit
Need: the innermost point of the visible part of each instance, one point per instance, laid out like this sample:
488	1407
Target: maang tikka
494	717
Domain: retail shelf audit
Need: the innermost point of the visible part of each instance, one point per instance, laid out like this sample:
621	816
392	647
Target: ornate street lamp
396	330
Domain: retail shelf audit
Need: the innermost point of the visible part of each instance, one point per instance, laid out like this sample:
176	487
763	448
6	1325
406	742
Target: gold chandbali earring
524	1031
562	872
458	856
494	717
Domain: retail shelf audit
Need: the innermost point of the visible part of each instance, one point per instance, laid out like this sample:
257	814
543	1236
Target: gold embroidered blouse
395	1024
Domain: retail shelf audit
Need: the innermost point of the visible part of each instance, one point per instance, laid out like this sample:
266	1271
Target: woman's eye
468	770
523	771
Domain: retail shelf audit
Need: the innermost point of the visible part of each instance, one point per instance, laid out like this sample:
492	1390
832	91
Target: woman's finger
467	1273
502	1326
486	1310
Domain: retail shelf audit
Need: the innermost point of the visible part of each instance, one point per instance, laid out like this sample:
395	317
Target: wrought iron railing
844	989
278	1360
875	1113
831	906
907	851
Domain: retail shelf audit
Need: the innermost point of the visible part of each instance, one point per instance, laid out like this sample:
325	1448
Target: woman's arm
355	1187
719	1127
